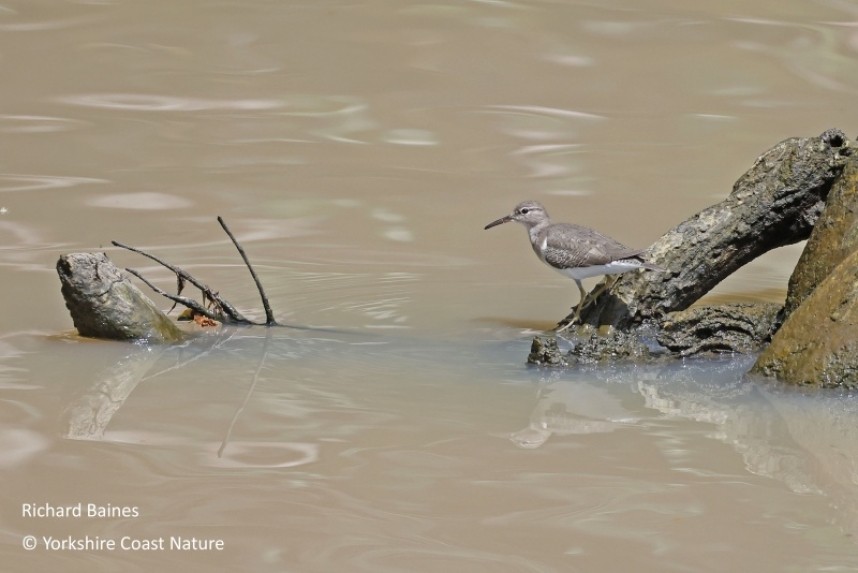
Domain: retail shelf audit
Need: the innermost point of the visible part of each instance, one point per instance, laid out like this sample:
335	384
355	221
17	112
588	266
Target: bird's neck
536	230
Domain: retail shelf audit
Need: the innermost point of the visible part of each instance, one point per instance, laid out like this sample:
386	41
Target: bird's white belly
612	268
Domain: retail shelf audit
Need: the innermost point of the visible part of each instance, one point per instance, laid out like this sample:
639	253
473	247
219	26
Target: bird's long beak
500	221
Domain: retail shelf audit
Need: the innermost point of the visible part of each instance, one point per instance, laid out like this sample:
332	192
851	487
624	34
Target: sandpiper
575	251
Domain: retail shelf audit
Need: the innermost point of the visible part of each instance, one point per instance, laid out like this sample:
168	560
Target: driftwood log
104	304
775	203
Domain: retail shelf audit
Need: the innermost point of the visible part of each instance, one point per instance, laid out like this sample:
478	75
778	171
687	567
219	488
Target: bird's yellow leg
597	292
577	317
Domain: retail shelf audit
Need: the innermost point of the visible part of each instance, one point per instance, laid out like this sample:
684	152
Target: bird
575	251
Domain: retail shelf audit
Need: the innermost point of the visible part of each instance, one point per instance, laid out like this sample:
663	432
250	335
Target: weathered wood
104	304
773	204
727	328
269	314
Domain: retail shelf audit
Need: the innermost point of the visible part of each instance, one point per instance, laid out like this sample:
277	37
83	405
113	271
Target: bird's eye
524	211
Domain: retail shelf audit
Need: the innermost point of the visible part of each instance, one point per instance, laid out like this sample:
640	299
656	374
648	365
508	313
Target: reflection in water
89	414
385	458
576	406
807	441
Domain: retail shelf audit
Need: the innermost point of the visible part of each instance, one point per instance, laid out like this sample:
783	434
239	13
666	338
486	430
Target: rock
834	237
545	352
611	345
591	347
818	343
104	304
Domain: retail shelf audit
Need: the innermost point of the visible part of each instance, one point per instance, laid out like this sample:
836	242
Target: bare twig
180	286
269	315
183	300
228	312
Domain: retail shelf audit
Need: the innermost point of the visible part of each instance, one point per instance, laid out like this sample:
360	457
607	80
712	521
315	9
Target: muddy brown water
357	150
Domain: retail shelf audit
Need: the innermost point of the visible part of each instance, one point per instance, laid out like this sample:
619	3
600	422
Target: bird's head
528	213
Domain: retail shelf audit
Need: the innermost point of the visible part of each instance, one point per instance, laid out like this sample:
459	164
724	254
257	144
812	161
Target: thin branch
229	312
269	315
179	272
183	300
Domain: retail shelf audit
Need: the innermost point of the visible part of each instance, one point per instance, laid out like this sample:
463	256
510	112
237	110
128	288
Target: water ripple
550	160
142	102
17	445
43	25
16	182
140	201
266	455
549	111
541	123
416	137
37	124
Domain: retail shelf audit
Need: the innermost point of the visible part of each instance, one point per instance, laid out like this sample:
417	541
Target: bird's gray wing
577	246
